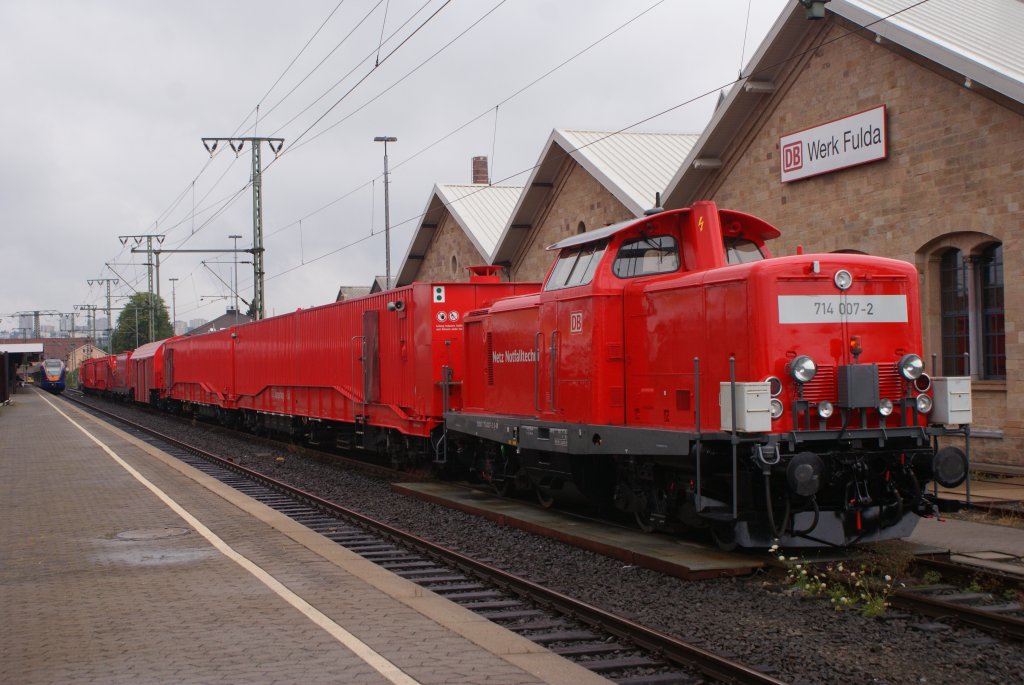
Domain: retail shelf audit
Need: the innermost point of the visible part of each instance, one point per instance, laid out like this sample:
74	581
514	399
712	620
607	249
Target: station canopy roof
21	348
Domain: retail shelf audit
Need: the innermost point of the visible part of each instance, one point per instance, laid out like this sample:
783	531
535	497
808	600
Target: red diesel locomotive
672	366
668	366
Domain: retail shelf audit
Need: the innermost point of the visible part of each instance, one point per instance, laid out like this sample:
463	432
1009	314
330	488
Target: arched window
993	331
455	266
581	228
956	329
967	326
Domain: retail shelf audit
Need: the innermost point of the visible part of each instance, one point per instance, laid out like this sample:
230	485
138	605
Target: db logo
792	157
575	322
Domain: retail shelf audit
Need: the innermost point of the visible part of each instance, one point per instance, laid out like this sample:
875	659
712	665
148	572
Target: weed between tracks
863	584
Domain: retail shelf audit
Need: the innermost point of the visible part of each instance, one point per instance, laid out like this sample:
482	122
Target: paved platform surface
122	565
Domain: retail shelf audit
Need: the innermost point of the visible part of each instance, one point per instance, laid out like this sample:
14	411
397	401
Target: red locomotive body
623	379
366	372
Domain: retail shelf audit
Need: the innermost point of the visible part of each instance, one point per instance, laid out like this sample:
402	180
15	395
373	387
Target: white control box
753	407
952	400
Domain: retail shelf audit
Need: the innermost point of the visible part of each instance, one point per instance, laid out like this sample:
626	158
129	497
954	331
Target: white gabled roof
633	167
981	39
480	210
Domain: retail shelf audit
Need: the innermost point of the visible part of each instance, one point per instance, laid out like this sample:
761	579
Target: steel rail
1009	627
967	572
670	648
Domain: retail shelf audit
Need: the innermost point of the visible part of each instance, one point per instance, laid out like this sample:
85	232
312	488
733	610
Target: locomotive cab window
576	266
647	255
742	251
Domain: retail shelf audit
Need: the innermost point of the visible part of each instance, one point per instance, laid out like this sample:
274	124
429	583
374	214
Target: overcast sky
105	103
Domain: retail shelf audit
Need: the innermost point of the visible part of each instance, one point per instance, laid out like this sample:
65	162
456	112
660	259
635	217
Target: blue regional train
51	375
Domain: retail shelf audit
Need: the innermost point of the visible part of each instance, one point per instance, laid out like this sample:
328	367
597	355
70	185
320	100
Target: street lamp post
234	256
387	216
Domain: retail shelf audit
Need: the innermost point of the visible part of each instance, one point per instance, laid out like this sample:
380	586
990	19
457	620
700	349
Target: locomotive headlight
803	369
776	408
924	404
884	406
774	385
911	367
825	409
843	279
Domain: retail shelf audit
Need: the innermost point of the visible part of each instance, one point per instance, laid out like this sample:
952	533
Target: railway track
999	612
982	610
616	648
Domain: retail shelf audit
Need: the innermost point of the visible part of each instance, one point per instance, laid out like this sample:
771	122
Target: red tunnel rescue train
668	365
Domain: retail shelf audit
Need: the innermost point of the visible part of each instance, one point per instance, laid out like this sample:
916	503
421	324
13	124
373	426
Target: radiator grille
822	386
890	383
490	359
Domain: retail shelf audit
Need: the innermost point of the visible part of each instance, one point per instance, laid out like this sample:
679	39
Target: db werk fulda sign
839	144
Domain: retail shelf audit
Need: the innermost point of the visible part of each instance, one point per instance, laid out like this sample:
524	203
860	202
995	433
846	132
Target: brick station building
908	119
937	91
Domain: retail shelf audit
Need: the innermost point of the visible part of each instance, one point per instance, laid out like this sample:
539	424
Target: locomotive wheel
545	498
724	535
643	521
504	487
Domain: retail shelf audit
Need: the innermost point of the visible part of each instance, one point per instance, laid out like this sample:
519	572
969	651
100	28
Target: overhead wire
640	122
388	56
236	195
180	197
476	118
355	67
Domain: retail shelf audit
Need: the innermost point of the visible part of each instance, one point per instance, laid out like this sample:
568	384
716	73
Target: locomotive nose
804	474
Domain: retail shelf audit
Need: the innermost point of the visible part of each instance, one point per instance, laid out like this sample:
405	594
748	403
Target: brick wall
449	242
576	198
954	176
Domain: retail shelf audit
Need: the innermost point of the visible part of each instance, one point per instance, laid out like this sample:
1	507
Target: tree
132	328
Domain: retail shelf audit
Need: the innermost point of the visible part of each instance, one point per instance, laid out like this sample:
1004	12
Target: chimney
480	170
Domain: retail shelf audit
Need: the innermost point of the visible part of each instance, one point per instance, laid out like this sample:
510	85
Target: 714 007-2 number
845	308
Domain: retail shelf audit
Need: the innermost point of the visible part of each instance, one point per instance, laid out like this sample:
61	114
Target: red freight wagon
146	372
119	375
357	371
95	375
199	369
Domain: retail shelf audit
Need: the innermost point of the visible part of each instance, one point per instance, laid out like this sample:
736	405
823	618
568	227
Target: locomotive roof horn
657	208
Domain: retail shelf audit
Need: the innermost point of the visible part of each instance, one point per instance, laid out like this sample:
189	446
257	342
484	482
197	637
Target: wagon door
371	356
168	369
